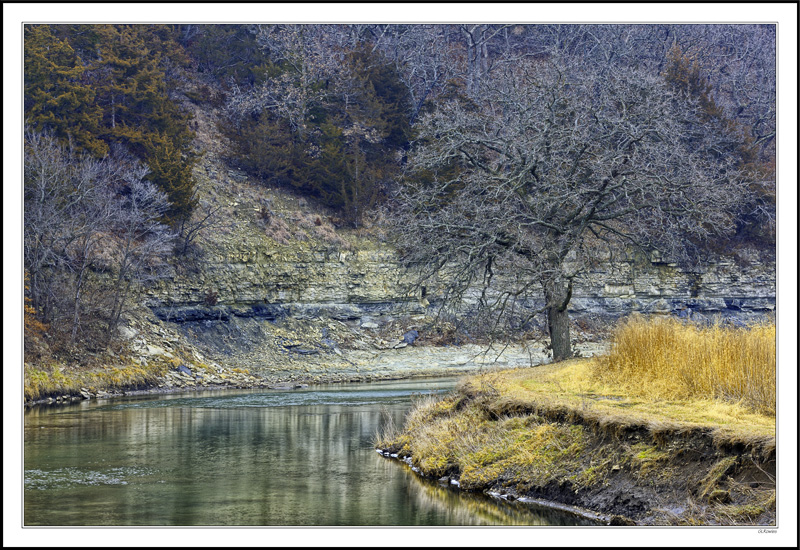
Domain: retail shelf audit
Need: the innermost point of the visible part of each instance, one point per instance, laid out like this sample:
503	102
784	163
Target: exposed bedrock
365	285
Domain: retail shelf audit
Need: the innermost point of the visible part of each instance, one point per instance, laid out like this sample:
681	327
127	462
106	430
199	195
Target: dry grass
443	438
302	226
529	429
664	358
53	380
526	430
278	230
575	389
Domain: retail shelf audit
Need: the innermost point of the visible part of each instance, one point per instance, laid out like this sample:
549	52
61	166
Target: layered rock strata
366	286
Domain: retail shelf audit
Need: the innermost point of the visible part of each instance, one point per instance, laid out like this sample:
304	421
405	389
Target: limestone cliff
273	258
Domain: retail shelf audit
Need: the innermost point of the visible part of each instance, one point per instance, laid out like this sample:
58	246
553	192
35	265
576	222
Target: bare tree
431	58
312	55
205	216
46	223
740	62
477	38
142	242
92	233
514	192
68	209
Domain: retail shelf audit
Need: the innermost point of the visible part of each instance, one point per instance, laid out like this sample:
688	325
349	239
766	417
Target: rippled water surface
294	458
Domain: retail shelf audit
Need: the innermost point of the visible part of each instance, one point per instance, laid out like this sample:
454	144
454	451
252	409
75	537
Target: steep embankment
275	269
522	435
274	291
275	286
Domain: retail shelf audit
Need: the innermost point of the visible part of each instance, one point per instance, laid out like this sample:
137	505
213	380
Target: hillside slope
277	290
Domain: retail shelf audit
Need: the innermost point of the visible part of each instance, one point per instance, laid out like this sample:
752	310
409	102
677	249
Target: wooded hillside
522	150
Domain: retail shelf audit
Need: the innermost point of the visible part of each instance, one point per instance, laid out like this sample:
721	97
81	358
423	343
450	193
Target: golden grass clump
665	358
445	439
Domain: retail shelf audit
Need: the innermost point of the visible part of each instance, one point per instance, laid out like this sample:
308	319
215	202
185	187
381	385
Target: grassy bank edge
630	460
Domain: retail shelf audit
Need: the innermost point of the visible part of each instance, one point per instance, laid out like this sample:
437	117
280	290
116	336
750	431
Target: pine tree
384	101
131	89
172	173
57	96
137	111
226	52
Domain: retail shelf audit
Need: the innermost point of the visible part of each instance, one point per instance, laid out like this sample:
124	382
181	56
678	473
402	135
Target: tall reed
666	358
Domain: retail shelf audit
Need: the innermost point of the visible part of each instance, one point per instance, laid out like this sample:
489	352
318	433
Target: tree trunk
557	296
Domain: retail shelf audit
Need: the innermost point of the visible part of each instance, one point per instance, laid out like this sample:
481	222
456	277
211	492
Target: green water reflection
296	458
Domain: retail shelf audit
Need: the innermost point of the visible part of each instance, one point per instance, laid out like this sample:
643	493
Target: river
243	458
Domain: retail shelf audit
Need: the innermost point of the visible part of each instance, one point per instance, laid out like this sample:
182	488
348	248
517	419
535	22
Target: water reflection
465	508
239	458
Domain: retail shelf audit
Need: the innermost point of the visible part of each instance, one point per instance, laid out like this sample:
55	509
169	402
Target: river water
250	457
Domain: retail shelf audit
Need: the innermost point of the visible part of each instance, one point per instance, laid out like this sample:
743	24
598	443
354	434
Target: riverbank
514	430
169	370
164	357
528	434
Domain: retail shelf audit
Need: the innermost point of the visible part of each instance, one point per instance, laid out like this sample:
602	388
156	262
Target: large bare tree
509	194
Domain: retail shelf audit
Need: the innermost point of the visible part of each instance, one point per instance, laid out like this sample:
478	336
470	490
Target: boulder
154	350
127	333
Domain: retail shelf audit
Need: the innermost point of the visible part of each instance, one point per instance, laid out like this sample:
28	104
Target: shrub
211	297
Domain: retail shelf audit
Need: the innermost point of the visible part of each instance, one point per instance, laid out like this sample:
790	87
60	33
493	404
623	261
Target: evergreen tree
98	85
226	52
57	96
336	136
132	91
137	111
265	146
384	101
172	173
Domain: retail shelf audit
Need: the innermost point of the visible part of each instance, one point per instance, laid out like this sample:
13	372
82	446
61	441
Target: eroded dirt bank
620	472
